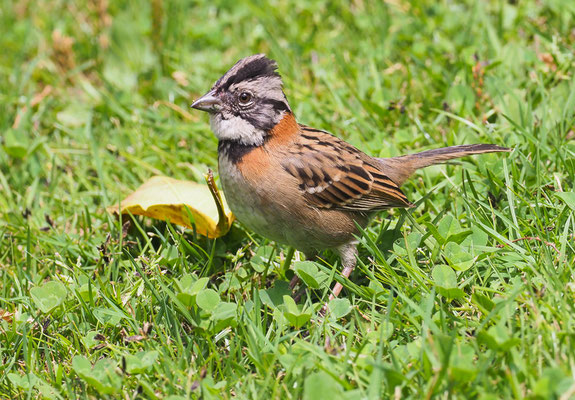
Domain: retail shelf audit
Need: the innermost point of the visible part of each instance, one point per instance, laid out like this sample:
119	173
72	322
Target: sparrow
299	185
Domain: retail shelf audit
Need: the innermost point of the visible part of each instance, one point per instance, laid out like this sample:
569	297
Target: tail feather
401	168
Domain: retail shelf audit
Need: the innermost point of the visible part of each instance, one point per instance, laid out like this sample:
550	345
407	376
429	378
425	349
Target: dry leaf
182	203
134	338
6	315
63	51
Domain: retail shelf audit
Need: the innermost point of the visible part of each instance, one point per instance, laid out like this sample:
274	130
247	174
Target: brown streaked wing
334	174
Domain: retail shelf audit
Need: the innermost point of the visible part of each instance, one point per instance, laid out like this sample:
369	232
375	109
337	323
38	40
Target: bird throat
284	131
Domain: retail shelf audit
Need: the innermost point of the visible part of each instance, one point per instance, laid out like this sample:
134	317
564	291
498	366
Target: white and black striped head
247	102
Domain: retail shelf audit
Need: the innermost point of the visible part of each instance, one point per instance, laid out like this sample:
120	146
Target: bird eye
245	98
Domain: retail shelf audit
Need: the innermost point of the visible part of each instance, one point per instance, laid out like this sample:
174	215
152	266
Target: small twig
531	238
364	316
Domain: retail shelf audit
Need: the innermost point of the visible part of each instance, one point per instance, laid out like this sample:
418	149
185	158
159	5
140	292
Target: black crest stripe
261	66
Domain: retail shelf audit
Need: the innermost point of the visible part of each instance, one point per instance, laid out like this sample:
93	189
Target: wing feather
339	176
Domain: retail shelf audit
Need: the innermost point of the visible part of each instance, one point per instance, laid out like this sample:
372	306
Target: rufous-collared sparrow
295	184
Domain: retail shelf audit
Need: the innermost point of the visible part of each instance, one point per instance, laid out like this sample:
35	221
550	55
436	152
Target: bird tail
401	168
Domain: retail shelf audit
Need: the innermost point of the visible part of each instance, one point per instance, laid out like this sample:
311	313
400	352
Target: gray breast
244	200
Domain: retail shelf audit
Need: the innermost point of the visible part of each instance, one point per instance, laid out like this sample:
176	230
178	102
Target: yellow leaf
182	203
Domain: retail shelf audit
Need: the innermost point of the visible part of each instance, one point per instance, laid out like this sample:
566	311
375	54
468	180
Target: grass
469	295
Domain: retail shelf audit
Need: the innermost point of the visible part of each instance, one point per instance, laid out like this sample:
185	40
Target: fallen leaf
134	338
182	203
6	315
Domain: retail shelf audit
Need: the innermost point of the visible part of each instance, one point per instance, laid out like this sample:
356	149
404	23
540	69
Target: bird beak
208	102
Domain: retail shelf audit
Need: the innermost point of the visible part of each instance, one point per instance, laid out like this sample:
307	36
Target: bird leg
348	256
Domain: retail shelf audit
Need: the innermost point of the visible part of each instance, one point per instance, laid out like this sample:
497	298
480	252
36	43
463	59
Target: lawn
469	295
